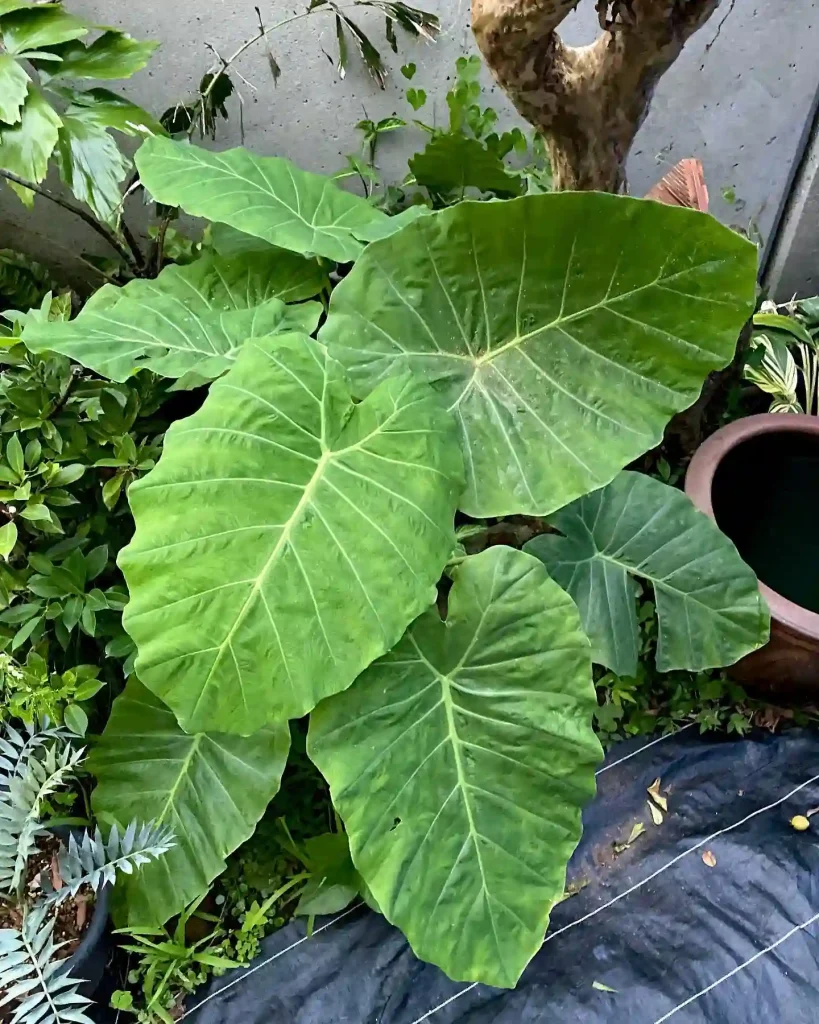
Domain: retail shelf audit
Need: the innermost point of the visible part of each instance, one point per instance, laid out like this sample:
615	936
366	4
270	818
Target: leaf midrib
557	323
170	802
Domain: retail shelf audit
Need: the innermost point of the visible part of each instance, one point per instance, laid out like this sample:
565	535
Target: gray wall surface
740	97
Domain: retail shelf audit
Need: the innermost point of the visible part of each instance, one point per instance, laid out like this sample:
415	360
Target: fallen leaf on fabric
656	795
656	813
636	831
709	859
800	823
602	988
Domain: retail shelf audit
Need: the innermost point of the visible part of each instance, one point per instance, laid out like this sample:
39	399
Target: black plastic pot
88	961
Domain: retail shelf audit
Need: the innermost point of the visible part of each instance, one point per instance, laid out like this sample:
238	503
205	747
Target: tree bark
588	101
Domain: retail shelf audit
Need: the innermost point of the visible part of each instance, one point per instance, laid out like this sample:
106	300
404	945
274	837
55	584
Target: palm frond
93	862
42	774
30	976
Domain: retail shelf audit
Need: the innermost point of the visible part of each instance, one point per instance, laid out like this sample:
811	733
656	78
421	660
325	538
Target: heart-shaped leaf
190	318
460	762
287	536
210	788
563	330
709	607
268	197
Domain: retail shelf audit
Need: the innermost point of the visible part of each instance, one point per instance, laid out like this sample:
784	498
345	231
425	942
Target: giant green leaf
297	276
709	607
25	148
210	788
460	762
193	317
563	330
287	537
13	88
263	196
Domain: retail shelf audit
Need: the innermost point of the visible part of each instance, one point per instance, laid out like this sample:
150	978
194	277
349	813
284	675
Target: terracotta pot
758	479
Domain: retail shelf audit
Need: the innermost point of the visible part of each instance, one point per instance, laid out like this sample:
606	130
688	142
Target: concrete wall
739	98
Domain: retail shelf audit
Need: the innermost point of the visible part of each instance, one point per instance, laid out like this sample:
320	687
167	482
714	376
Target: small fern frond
31	977
45	772
94	863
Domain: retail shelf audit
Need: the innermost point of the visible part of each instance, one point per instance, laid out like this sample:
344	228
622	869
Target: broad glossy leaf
263	196
193	317
460	762
25	148
287	536
106	109
112	55
92	166
709	607
454	162
297	277
34	28
564	331
13	88
210	788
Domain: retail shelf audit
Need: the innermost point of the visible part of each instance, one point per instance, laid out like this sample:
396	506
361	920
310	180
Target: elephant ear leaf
460	762
562	330
190	319
287	536
267	197
210	788
709	607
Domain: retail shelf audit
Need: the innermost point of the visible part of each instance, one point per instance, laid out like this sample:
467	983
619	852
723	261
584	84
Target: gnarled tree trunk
587	101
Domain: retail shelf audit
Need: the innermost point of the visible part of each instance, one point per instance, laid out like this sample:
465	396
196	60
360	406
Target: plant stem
133	245
100	228
226	62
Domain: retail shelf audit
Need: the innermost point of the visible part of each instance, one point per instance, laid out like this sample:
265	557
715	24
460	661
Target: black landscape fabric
711	916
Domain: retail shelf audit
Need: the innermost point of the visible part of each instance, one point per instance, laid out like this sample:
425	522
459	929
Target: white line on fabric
298	942
738	968
645	746
634	888
244	975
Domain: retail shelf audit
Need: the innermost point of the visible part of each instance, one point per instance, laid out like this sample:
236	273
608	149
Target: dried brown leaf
709	860
657	796
656	813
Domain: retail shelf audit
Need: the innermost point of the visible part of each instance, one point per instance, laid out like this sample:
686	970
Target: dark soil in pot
759	479
765	496
81	920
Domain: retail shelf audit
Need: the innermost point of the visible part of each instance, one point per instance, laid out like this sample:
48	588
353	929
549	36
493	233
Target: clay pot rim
699	481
